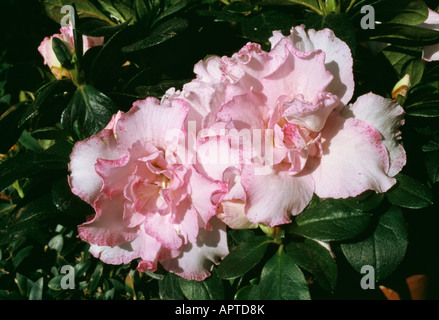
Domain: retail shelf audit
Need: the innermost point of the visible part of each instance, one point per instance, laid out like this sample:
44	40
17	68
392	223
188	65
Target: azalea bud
401	88
46	49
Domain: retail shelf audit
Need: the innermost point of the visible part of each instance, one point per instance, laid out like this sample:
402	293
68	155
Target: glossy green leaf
21	255
56	243
243	258
311	4
410	193
26	165
331	220
432	145
96	277
403	34
84	8
243	293
409	12
81	268
90	109
432	165
314	258
281	279
209	289
36	289
55	283
169	288
163	32
384	249
365	202
62	53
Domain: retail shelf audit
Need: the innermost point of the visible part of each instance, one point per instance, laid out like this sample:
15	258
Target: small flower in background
147	206
298	92
66	36
431	52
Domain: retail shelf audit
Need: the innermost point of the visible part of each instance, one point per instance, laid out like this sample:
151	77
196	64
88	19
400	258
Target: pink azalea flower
297	95
66	36
147	205
431	52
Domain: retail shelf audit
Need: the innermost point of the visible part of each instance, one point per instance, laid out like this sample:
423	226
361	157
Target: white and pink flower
148	207
66	36
297	94
431	52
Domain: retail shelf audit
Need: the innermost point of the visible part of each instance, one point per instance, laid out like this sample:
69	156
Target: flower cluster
248	141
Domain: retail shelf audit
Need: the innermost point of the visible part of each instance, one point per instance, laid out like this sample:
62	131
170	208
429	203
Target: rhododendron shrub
299	93
146	206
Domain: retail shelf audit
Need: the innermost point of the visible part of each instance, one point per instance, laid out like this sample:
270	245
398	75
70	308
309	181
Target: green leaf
163	32
9	126
81	268
29	142
406	61
26	165
384	249
55	283
122	10
146	10
243	258
410	193
243	293
311	4
56	243
366	201
315	259
432	145
84	8
98	28
62	53
432	165
209	289
96	277
331	220
281	279
21	255
36	289
408	12
169	288
6	208
404	35
22	284
90	109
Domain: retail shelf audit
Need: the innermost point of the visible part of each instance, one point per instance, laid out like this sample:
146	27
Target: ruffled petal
84	180
107	228
387	116
197	259
143	246
302	73
272	198
354	159
206	194
148	120
173	229
338	57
